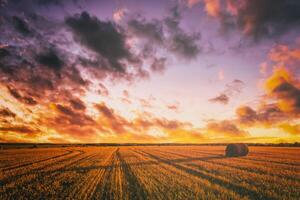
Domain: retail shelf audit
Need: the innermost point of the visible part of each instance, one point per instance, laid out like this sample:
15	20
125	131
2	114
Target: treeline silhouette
49	145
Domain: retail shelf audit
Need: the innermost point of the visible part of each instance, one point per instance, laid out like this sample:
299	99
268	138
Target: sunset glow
132	71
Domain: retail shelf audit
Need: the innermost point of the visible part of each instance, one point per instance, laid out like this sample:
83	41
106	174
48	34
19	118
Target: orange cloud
18	129
225	127
283	55
284	88
290	128
283	85
246	114
280	106
212	7
24	99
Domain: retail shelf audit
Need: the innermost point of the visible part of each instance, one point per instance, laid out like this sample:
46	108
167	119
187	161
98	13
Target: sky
161	71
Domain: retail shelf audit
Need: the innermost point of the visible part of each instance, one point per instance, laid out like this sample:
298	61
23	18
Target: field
149	172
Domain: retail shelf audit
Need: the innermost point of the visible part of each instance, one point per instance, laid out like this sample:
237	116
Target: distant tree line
49	145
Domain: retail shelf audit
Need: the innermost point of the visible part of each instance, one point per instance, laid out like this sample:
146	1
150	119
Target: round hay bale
234	150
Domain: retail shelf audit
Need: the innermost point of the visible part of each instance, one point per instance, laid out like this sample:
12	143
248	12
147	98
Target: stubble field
149	172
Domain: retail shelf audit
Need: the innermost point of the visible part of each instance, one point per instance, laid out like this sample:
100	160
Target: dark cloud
21	26
284	90
280	106
77	104
107	112
24	99
185	45
222	98
3	3
289	94
43	83
68	117
246	115
172	21
43	70
259	19
158	65
35	68
112	121
235	87
225	127
74	75
180	42
65	110
11	61
18	129
29	5
147	121
116	123
32	82
103	90
167	34
268	17
152	30
50	59
59	2
269	115
3	52
231	89
48	2
5	112
101	37
169	124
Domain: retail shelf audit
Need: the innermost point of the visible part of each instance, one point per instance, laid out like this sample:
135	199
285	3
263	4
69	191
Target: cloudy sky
189	71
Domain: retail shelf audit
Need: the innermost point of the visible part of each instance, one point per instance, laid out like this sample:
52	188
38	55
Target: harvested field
149	172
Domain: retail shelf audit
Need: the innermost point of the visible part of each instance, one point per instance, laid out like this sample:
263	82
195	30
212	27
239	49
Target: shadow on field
142	163
199	171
